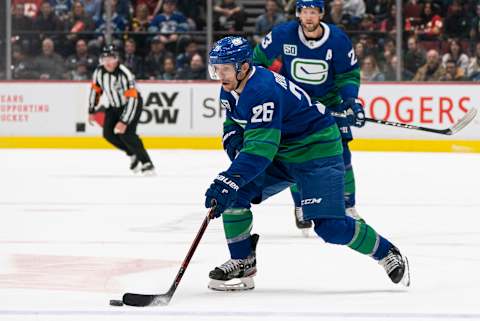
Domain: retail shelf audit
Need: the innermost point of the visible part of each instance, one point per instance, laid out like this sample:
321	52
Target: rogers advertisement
193	109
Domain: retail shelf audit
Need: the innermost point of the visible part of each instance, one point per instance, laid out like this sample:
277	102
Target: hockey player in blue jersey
287	139
319	58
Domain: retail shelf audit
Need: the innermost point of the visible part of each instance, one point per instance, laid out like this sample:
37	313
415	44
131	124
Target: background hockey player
123	110
319	58
286	140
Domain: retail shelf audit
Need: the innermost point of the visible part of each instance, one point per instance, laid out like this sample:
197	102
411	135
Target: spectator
119	22
369	70
389	23
355	9
453	72
49	65
184	58
155	59
169	23
268	20
367	23
21	22
473	70
336	15
31	7
195	71
80	72
391	71
78	20
229	16
152	6
81	54
415	56
432	70
475	25
47	20
169	70
379	8
431	24
455	53
131	59
360	52
412	10
21	65
140	23
61	8
456	22
93	8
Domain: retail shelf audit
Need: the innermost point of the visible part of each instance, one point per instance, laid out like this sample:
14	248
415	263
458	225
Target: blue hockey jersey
326	68
279	122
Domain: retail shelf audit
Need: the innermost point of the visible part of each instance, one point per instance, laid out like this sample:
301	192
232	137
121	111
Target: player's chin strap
246	75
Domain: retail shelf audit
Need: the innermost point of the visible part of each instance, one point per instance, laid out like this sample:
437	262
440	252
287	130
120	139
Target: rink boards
189	115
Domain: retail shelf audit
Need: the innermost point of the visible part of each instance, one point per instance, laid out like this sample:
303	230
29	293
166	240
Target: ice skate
304	226
352	212
396	266
148	169
235	275
135	165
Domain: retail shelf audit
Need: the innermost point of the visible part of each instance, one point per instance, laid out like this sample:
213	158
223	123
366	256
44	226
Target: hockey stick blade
464	121
143	300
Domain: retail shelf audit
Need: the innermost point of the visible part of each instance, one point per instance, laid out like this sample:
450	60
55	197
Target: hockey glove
232	143
222	193
355	112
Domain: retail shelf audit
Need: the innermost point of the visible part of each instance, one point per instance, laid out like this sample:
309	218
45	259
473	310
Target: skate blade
240	284
137	168
305	232
149	173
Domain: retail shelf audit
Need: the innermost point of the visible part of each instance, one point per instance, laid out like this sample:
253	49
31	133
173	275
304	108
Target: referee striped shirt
119	89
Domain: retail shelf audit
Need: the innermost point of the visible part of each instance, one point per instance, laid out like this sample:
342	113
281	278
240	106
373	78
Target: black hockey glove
222	193
232	143
355	113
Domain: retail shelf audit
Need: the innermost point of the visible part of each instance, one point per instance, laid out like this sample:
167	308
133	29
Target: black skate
236	275
304	226
148	169
396	266
135	164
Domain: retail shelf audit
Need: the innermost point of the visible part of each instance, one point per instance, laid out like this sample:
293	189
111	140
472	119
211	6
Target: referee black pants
129	142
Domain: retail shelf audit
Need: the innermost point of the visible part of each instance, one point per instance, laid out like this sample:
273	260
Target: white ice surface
77	229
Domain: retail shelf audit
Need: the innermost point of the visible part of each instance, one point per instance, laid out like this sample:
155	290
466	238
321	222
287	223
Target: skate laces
391	261
231	265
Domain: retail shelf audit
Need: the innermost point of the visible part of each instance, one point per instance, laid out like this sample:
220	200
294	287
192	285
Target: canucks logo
309	71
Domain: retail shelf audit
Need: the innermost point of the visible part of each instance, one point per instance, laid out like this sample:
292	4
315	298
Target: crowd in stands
165	39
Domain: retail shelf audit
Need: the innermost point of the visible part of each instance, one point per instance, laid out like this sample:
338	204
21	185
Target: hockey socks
349	188
366	241
297	198
237	224
357	235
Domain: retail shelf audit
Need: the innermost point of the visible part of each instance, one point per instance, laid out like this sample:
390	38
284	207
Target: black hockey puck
117	303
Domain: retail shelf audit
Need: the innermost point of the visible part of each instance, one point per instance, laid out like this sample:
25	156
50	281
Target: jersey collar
311	43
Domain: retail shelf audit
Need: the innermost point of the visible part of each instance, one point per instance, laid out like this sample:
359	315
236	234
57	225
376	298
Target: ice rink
77	229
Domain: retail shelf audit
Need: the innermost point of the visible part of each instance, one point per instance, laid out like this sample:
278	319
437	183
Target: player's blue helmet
309	4
233	50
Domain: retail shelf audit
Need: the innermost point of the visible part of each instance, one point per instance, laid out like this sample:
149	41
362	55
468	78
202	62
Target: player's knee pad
335	230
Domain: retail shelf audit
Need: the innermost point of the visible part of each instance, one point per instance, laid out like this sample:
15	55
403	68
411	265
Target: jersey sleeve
95	91
269	48
347	71
131	93
261	137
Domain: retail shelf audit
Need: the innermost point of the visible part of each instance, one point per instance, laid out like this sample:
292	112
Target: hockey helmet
109	51
233	50
309	4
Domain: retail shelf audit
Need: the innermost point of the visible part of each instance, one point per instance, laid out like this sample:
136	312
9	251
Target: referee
123	111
